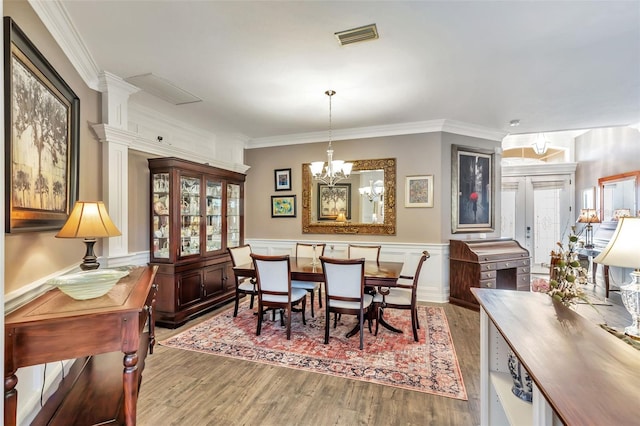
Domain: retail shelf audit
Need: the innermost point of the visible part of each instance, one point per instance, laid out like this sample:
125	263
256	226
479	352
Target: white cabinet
581	374
499	406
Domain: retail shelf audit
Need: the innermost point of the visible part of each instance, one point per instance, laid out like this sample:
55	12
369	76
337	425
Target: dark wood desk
496	263
581	372
382	274
55	327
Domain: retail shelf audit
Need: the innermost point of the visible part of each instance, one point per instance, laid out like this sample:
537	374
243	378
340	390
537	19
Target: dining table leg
385	324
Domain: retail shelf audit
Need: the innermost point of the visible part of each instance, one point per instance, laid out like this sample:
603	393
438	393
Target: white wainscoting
434	278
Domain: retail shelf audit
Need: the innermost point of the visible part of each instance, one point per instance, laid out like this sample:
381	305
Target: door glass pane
233	215
508	214
189	216
548	226
161	218
214	215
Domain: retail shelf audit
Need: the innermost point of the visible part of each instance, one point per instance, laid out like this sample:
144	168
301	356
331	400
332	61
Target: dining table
376	275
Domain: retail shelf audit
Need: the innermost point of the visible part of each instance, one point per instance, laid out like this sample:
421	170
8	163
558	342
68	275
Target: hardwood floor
189	388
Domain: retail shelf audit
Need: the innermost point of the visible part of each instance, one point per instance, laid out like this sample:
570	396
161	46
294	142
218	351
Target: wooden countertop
586	374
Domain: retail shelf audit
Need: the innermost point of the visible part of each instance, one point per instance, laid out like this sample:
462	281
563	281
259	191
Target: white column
116	139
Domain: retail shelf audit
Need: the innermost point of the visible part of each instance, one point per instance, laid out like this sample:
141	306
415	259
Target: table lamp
89	220
588	216
341	218
623	251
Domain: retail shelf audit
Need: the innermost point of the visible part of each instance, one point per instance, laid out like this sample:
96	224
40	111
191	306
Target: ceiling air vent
356	35
162	88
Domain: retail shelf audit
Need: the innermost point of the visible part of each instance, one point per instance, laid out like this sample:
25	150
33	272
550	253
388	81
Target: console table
581	373
495	263
55	327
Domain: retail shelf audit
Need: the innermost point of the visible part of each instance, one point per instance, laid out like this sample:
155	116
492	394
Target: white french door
537	212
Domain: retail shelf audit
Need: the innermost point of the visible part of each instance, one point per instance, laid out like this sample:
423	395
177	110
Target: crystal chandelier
335	170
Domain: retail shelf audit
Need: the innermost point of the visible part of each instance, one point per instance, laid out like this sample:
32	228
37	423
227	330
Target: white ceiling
262	67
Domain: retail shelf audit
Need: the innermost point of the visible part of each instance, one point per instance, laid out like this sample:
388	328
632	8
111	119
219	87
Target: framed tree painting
42	116
473	189
333	200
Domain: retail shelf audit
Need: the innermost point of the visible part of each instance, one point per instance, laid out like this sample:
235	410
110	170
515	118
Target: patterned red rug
391	359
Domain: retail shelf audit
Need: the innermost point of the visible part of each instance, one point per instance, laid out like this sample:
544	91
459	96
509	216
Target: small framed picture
419	191
283	206
283	179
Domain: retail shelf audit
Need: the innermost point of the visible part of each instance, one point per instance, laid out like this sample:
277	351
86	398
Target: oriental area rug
391	359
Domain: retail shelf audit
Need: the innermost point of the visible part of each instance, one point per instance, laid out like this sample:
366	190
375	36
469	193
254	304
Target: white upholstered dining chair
244	285
273	276
306	250
344	292
369	253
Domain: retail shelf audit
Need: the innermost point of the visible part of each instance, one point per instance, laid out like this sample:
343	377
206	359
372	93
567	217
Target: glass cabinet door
213	215
161	218
189	216
233	215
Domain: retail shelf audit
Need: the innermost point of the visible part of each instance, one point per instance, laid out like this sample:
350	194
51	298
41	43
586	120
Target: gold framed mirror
357	204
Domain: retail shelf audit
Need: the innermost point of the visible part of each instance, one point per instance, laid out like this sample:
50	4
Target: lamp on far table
588	216
89	220
623	251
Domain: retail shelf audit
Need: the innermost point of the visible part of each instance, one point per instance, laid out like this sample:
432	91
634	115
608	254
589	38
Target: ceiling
261	67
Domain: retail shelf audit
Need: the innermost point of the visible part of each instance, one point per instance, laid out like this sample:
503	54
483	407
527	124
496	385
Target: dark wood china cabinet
196	213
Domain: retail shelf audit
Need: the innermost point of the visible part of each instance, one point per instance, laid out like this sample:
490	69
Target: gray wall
420	154
605	152
30	256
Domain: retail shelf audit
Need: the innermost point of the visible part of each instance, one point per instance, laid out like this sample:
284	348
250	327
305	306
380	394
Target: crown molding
472	130
55	18
135	141
415	127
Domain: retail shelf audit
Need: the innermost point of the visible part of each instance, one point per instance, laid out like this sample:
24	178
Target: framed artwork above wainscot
42	116
419	191
472	189
283	206
282	179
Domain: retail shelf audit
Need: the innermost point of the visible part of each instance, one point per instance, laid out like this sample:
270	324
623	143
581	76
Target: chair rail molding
434	279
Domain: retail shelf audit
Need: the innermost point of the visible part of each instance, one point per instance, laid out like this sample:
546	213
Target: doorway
537	209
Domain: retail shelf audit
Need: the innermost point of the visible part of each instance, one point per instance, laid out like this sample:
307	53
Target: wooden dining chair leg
304	307
414	323
335	320
259	327
320	295
361	330
326	323
312	296
289	324
235	307
251	303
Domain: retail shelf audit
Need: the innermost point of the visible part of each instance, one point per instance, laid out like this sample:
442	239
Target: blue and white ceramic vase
522	386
